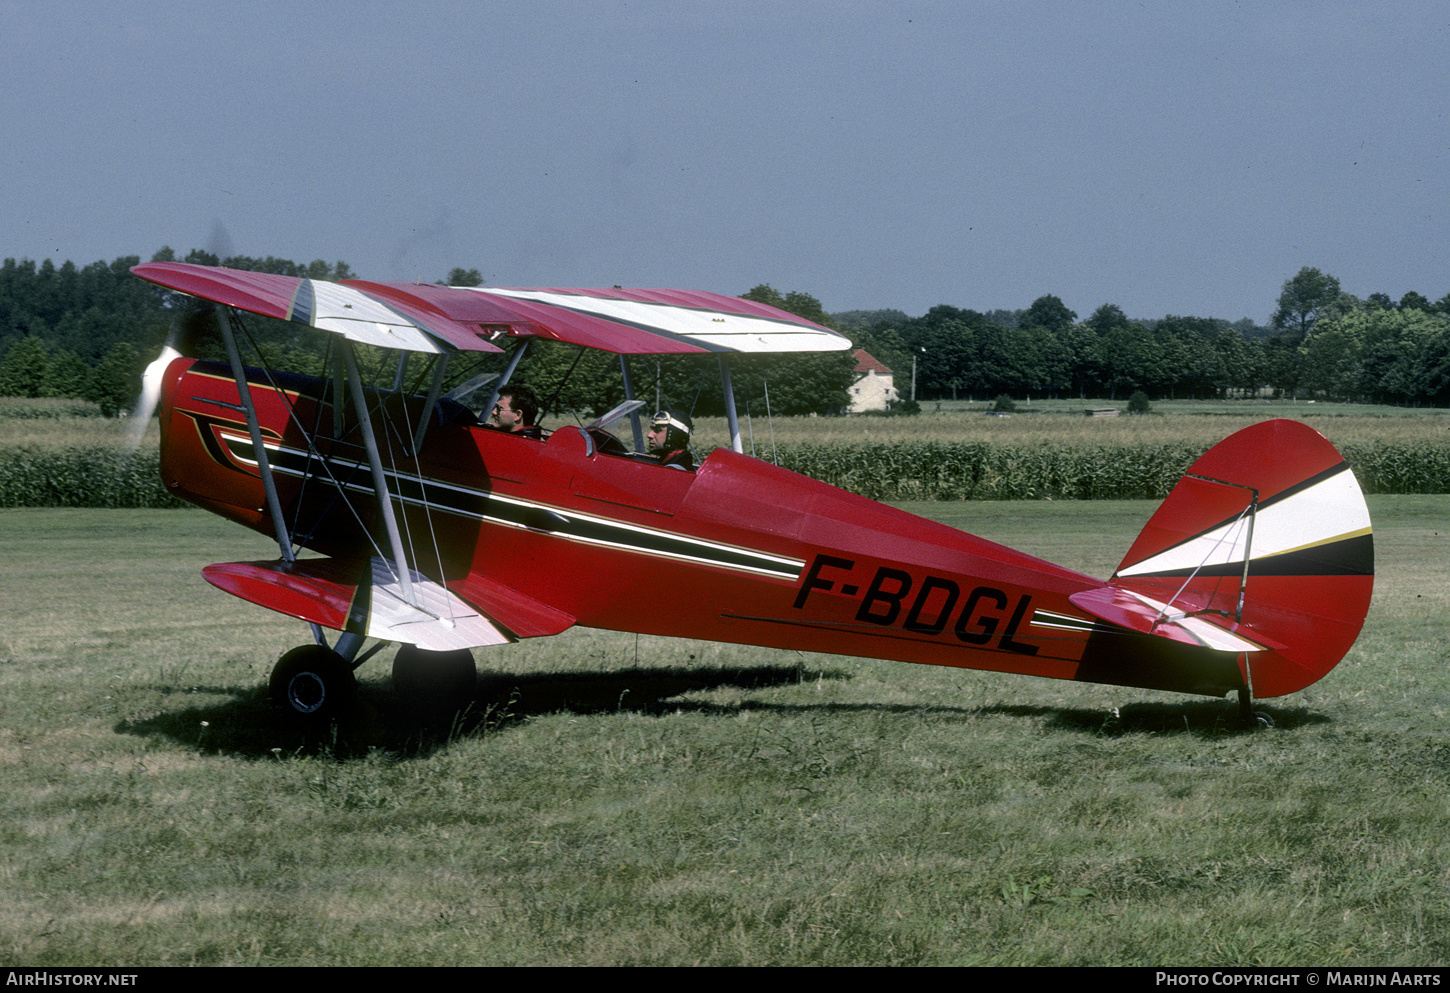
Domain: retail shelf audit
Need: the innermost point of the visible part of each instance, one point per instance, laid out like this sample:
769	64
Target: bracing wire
312	451
1206	556
424	502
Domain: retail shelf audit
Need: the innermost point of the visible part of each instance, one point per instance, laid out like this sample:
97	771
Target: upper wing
427	317
658	321
335	307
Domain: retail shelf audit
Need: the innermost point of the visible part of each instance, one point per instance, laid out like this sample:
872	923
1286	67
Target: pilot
669	438
515	411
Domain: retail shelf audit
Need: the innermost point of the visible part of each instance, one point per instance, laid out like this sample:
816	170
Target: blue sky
1168	157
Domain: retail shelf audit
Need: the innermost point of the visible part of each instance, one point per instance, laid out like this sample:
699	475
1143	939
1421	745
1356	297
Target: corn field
81	476
1054	471
55	456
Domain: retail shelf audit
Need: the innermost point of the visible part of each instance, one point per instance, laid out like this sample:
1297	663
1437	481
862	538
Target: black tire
312	684
438	679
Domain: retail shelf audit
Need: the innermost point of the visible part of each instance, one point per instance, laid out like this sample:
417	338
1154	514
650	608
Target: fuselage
736	551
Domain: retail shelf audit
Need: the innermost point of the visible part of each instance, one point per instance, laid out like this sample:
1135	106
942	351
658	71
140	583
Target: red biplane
430	530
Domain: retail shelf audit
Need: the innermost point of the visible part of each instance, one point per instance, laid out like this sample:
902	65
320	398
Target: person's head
669	430
516	408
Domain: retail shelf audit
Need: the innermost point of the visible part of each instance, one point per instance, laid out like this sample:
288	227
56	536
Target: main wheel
312	684
435	679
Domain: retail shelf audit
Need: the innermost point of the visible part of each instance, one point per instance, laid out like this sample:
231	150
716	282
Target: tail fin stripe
1328	511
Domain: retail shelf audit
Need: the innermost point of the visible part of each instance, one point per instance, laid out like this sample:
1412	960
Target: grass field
613	800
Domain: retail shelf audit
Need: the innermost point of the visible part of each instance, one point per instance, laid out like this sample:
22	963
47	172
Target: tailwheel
1253	720
434	679
312	684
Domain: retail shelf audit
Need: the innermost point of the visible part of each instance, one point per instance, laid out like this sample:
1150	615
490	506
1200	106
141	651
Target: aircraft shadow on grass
250	726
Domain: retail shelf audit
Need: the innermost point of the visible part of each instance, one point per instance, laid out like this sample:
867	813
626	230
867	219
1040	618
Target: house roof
866	362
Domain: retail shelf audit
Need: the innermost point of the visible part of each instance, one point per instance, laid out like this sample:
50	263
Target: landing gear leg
1252	719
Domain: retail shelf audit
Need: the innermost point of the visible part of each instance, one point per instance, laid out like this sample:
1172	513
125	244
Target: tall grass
62	453
46	409
76	461
1057	470
980	471
82	476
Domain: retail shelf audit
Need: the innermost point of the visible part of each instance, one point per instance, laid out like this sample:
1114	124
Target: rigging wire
389	428
312	450
1206	555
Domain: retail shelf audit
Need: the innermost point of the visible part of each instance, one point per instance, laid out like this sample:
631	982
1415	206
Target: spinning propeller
199	317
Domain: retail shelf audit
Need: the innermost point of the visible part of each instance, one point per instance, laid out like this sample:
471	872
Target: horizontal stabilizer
1143	614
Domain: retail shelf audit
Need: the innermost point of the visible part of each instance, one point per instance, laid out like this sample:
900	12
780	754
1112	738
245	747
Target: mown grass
613	800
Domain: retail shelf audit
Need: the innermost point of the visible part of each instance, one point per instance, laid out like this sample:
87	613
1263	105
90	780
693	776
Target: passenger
516	410
669	438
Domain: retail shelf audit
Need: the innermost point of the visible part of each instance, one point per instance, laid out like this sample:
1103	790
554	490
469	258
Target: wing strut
628	396
439	368
730	417
508	374
380	483
264	465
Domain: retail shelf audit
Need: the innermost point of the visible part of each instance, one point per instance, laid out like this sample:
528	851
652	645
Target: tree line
1321	342
86	332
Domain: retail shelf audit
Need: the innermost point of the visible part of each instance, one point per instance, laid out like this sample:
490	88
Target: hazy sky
1170	157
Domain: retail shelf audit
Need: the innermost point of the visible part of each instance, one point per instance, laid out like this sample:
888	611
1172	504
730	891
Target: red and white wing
656	321
337	307
426	317
366	598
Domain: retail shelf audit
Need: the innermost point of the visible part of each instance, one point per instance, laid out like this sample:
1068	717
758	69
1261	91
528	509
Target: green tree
116	382
67	375
22	372
1241	361
1048	312
1302	299
1054	356
1395	348
1282	364
1330	357
1088	369
1132	358
464	277
1007	358
944	339
884	342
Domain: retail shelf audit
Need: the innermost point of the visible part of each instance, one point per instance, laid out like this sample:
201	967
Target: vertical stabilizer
1266	535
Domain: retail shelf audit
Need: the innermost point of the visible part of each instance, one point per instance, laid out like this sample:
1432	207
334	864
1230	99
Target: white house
873	389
